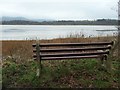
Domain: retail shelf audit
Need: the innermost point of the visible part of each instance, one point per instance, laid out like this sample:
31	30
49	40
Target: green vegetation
60	74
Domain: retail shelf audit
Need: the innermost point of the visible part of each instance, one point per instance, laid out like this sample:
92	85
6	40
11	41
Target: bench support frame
103	55
39	68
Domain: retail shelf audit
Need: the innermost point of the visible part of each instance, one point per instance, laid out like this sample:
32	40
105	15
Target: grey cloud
59	9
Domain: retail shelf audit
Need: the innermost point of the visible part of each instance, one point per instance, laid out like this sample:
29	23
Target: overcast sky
60	9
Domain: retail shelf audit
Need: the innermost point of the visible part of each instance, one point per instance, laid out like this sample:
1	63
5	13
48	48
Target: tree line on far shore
63	22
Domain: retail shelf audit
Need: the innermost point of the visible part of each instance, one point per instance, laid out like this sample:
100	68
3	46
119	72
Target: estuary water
31	32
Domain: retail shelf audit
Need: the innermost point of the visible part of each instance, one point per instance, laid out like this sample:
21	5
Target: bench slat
73	49
70	57
74	44
74	54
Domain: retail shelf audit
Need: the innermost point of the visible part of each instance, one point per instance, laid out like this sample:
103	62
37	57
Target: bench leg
102	61
102	65
108	63
38	60
39	69
38	72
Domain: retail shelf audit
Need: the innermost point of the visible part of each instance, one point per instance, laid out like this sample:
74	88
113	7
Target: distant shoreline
62	22
60	25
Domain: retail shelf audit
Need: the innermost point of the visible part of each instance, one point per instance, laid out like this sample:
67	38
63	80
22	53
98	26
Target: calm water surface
23	32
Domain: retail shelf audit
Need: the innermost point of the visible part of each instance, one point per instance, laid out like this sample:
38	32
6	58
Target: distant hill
7	18
42	20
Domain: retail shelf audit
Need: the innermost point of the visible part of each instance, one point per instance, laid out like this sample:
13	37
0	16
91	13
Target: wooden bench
67	51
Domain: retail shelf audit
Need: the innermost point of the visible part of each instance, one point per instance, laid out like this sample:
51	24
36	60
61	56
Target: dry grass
24	47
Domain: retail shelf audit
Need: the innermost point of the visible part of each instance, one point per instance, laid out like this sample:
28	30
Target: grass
59	74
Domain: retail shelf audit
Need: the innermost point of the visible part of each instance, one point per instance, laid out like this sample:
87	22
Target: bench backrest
58	51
